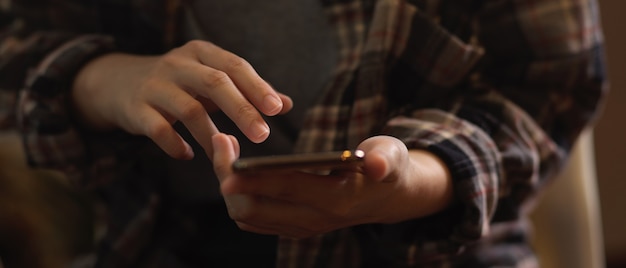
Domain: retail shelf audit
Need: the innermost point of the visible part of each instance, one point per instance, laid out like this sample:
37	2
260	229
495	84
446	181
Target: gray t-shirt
289	43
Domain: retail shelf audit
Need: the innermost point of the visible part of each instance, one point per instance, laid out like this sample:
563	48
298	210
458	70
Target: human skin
395	185
144	95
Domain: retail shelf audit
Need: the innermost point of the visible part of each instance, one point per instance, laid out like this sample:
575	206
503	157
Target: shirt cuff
474	164
50	135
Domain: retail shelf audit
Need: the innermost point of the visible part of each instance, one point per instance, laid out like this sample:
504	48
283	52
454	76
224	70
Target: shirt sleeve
510	129
42	47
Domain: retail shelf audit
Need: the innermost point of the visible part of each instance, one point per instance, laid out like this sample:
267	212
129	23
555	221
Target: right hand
145	95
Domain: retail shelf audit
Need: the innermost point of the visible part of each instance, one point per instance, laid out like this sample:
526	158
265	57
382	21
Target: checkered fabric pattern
499	90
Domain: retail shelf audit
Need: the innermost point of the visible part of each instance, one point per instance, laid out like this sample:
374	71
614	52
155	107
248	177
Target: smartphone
312	162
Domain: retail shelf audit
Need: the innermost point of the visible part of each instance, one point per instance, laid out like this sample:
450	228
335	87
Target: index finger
245	78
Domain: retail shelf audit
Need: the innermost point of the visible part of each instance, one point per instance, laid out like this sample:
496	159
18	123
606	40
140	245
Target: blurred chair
567	222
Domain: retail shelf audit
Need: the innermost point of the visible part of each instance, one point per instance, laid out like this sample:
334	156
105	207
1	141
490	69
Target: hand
144	95
395	185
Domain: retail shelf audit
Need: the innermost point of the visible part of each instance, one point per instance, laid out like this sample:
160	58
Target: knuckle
235	63
216	79
195	44
173	59
191	110
246	111
169	60
147	87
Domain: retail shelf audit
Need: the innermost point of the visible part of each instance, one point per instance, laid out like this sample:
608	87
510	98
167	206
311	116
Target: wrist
426	188
86	91
53	79
433	179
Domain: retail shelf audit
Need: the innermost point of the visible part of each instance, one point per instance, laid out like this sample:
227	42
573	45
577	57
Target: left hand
392	187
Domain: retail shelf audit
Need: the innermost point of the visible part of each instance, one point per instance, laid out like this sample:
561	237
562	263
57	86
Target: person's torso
289	43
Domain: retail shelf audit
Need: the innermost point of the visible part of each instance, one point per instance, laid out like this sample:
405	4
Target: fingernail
260	131
272	104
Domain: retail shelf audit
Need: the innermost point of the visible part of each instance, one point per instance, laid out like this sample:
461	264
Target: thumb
384	155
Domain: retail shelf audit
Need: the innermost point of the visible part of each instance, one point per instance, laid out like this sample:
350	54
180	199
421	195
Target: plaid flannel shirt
499	90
